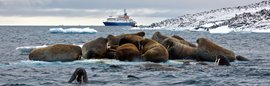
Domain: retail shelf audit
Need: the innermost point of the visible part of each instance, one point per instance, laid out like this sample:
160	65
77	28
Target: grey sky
99	8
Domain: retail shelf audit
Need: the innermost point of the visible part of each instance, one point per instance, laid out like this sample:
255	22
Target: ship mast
125	12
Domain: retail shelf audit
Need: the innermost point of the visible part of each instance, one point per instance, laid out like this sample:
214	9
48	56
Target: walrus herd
134	47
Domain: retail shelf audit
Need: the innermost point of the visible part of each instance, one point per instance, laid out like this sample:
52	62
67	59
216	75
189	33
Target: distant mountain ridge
255	15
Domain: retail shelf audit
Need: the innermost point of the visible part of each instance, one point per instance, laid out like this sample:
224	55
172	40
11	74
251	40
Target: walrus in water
80	75
222	60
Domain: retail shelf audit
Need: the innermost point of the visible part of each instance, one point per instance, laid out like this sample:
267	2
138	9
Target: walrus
134	39
178	50
95	49
80	75
183	40
110	54
56	52
222	60
153	51
157	36
210	50
128	52
113	41
129	48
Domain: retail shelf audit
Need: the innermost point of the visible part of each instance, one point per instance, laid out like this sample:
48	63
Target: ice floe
86	30
25	50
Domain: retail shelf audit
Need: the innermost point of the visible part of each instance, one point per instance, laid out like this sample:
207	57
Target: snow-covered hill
245	18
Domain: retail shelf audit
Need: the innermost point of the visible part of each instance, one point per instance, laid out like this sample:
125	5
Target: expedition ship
122	20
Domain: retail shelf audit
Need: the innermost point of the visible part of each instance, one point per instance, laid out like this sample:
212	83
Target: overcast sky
93	12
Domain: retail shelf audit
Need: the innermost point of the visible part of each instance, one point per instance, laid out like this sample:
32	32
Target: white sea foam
89	61
73	30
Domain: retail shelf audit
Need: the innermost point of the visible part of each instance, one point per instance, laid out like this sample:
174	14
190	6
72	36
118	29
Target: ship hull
119	24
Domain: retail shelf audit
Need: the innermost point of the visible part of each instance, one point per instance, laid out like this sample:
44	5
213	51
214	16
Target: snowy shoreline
219	30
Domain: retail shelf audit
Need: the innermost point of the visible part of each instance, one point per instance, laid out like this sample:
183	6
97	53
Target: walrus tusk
108	46
218	61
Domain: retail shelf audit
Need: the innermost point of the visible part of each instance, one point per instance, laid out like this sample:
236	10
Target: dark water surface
17	70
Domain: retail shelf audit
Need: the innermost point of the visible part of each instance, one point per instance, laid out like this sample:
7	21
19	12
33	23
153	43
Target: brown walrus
128	52
153	51
129	48
183	40
134	39
157	36
210	50
80	75
95	49
113	41
222	60
178	50
56	52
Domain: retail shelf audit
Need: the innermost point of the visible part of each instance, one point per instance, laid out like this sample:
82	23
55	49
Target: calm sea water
16	69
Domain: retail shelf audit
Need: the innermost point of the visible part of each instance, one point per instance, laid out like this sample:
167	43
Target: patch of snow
252	18
261	31
222	30
208	25
163	28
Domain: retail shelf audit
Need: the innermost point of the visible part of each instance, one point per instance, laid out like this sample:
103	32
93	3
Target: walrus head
167	43
200	40
80	75
157	36
142	34
222	60
112	40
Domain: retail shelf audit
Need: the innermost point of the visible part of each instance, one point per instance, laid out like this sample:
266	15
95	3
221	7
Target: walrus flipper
241	58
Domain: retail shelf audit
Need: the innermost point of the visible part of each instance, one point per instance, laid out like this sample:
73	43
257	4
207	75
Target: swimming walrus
80	75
